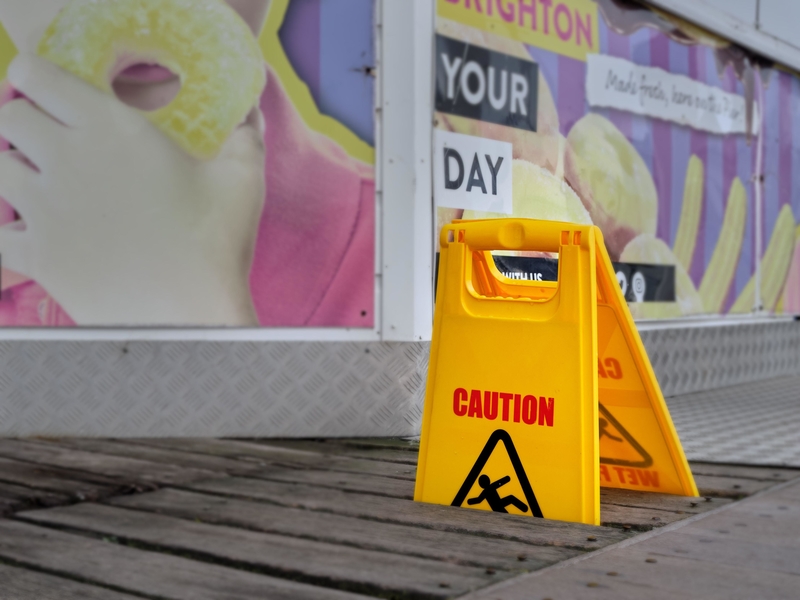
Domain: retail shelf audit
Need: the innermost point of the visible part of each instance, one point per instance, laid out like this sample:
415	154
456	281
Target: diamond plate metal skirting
118	389
304	389
692	359
756	423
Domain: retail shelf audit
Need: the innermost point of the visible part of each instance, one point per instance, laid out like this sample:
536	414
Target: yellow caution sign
639	447
539	392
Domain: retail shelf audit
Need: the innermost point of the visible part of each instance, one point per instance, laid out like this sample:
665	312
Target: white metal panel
691	357
705	14
231	334
215	389
780	18
743	10
405	177
246	389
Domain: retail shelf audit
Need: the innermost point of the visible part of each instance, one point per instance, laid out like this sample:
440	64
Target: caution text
504	406
611	369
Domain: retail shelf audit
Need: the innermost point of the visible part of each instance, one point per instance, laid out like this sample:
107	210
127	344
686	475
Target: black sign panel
527	268
646	283
478	83
639	283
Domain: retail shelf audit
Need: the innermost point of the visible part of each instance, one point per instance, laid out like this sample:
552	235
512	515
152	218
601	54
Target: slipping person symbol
492	497
604	431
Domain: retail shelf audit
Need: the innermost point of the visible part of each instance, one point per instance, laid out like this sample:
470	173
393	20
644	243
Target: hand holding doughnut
122	227
204	42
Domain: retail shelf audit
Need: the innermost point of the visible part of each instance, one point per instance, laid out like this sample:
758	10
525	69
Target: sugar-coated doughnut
612	179
204	42
538	194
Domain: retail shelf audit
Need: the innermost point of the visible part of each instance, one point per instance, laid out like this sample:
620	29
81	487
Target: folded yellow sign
539	392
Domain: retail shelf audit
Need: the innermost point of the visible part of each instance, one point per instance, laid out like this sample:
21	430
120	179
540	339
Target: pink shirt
314	257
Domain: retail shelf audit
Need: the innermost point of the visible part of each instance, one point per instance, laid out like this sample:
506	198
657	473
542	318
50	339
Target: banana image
612	180
722	266
648	249
538	194
790	300
774	266
204	42
686	237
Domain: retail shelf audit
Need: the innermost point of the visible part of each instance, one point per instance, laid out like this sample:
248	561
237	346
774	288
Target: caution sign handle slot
543	236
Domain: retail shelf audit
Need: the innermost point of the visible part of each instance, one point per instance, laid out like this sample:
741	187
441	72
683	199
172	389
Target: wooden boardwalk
749	549
221	519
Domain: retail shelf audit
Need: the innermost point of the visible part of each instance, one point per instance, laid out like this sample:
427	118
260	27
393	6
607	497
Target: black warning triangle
499	436
646	459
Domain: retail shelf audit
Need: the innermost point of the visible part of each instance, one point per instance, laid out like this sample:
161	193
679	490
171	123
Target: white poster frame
403	301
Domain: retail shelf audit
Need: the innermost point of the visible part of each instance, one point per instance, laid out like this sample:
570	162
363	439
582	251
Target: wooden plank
160	455
644	571
639	519
583	584
395	443
394	510
458	548
240	449
744	471
285	456
773	518
680	504
353	482
322	563
744	551
79	485
7	506
694	575
146	474
21	584
332	448
405	489
355	465
729	545
792	492
336	462
148	573
15	497
730	487
664	578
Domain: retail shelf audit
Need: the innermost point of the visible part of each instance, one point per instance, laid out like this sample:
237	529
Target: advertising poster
661	134
187	163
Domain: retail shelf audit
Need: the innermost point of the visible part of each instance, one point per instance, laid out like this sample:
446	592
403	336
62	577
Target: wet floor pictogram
490	493
617	445
492	497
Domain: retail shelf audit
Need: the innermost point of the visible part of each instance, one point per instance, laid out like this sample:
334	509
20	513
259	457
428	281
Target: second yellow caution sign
512	421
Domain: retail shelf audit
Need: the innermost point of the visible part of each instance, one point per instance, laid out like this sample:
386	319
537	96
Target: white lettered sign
618	83
472	172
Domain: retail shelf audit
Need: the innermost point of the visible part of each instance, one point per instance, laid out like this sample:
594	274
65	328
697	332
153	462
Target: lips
144	73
